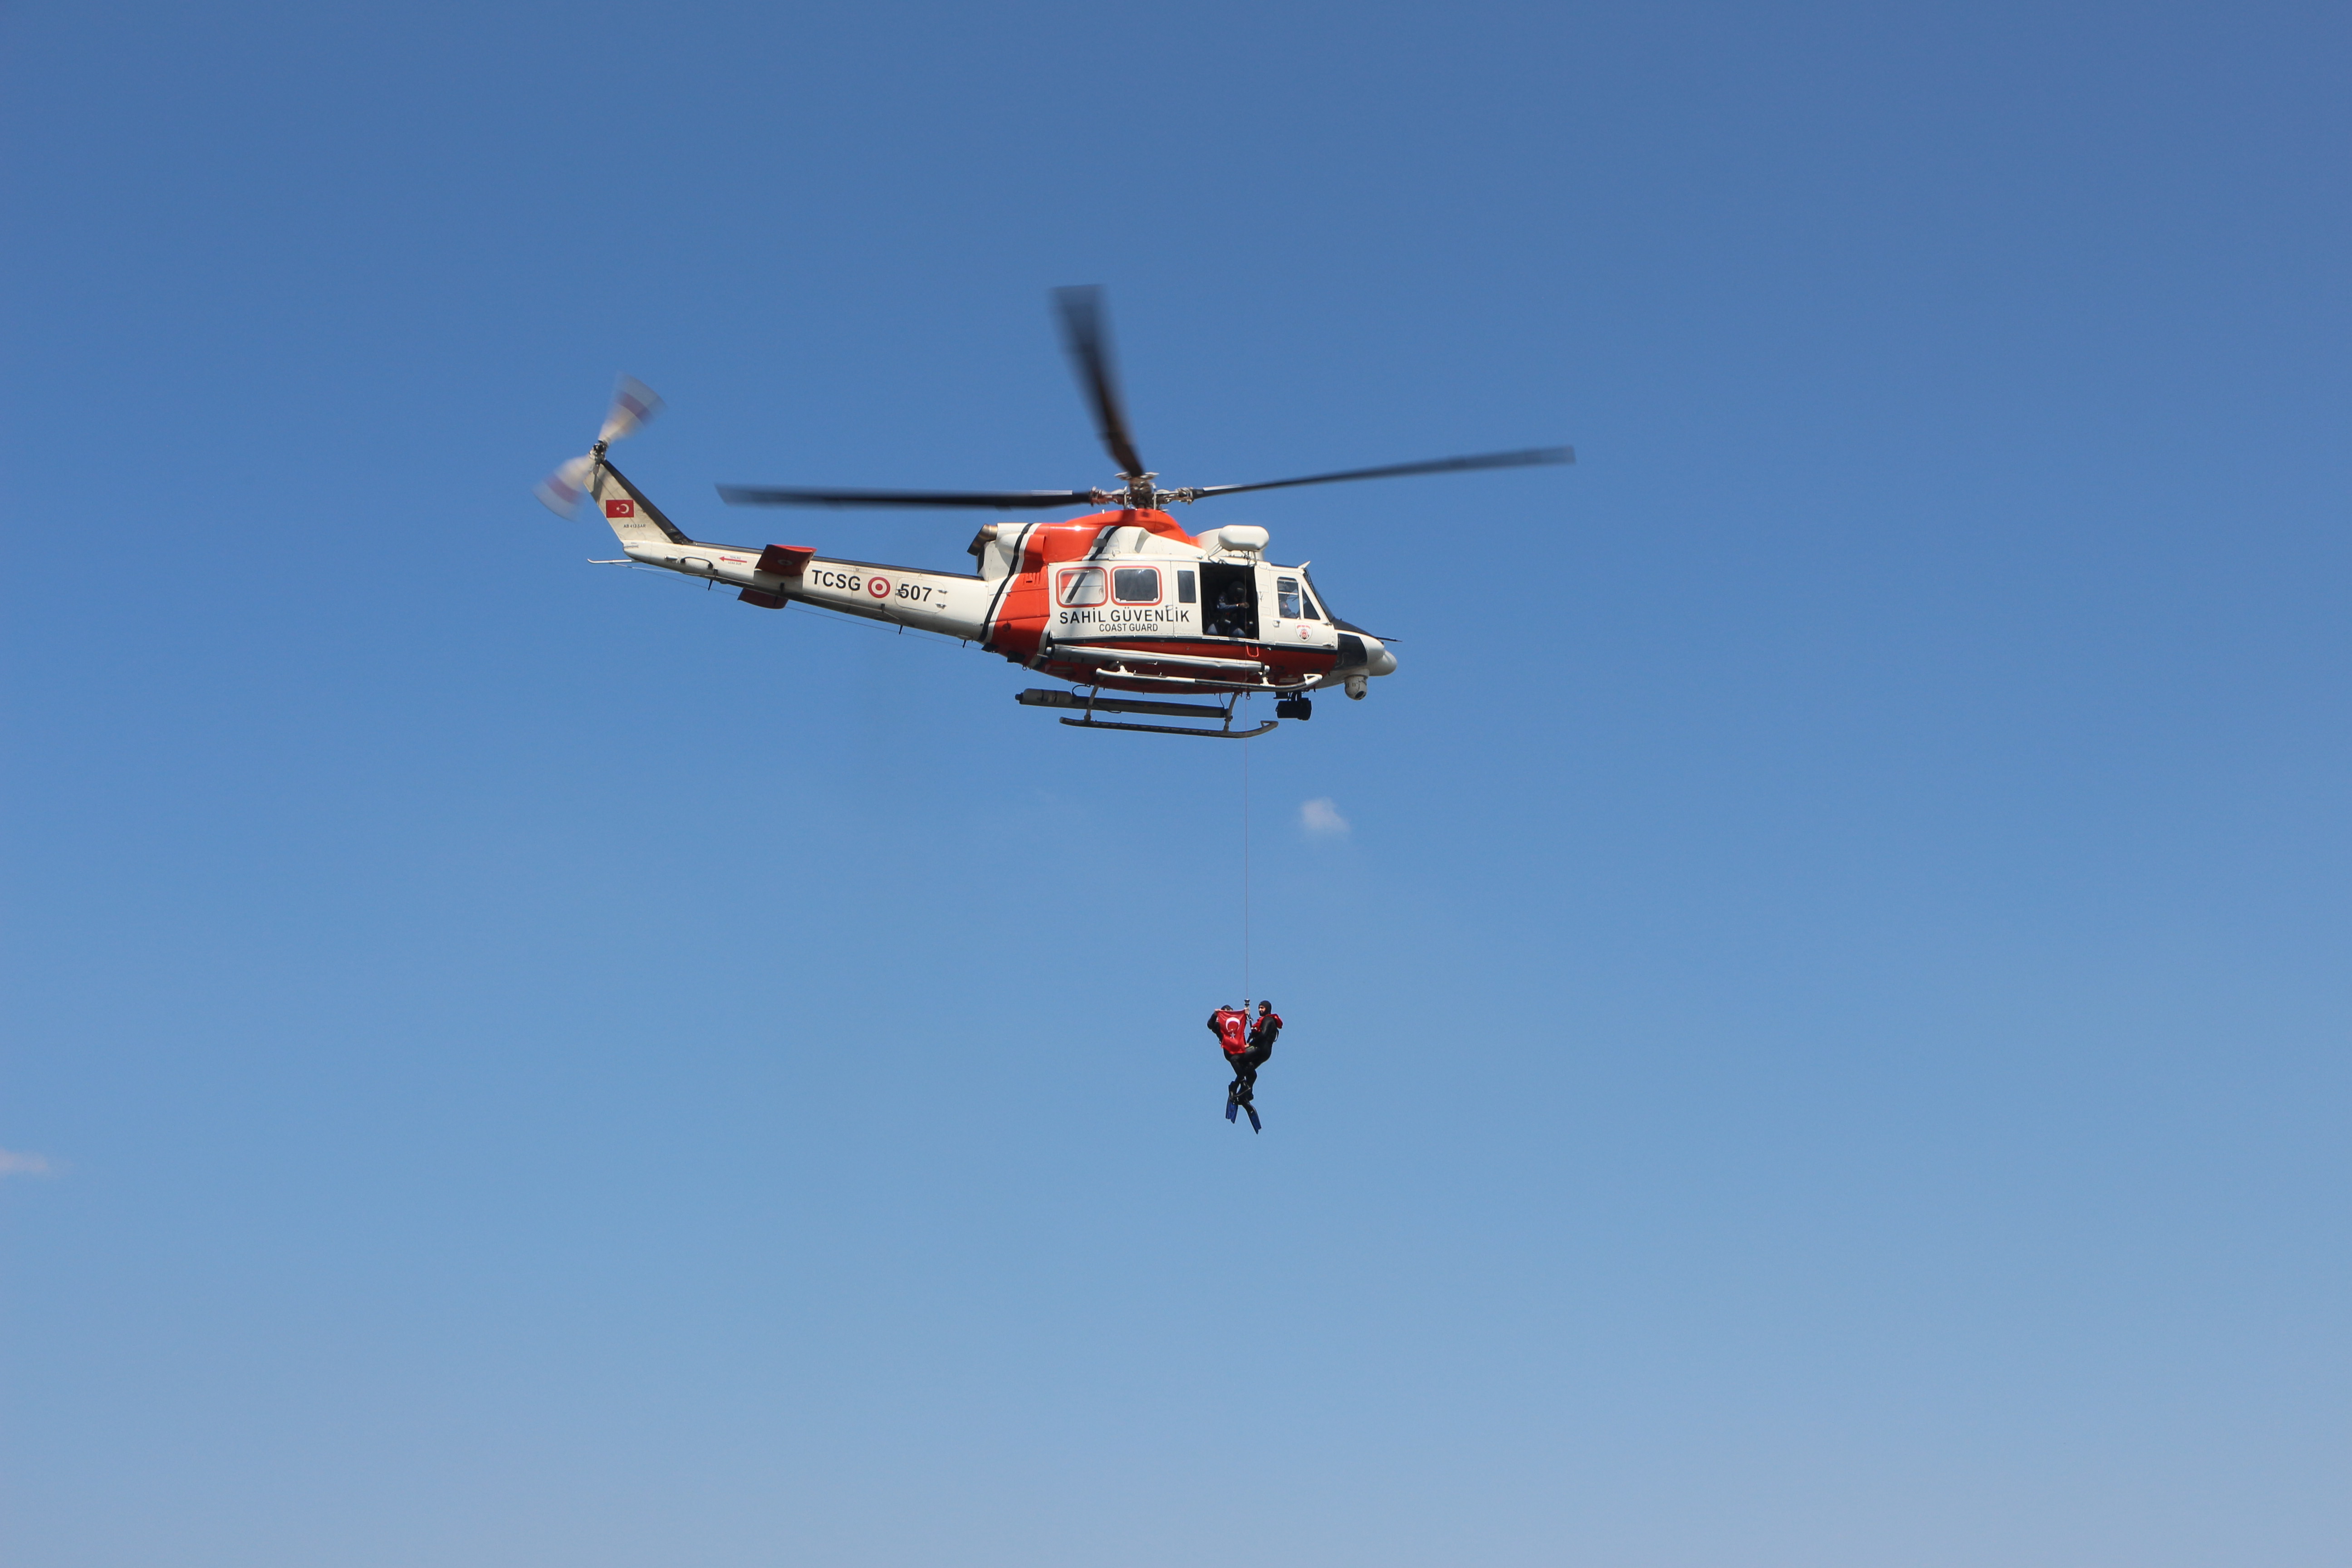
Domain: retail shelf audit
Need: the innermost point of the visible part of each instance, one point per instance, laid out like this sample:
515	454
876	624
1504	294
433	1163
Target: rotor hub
1137	492
1134	491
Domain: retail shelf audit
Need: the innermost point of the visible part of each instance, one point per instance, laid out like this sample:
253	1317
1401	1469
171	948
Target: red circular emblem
878	587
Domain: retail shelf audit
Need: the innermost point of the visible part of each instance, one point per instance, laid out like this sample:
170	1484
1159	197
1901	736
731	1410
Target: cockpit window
1083	587
1312	612
1285	598
1316	606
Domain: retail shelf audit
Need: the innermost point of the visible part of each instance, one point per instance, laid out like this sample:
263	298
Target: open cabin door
1228	599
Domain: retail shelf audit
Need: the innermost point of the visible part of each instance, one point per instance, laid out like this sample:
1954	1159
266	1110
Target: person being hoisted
1230	1025
1246	1044
1263	1029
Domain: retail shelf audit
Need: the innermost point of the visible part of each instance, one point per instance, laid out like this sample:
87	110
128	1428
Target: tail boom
952	604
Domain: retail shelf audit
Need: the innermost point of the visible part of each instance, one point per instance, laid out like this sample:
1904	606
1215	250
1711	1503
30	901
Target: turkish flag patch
623	508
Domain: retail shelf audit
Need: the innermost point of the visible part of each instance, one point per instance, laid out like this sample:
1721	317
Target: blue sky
1823	1040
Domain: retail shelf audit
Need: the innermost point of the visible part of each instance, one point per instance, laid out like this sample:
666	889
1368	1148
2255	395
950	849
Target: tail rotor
562	492
634	405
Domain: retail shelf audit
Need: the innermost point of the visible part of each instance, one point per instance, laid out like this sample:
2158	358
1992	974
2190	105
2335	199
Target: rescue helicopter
1122	603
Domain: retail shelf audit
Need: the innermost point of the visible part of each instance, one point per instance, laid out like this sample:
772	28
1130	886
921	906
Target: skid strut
1094	702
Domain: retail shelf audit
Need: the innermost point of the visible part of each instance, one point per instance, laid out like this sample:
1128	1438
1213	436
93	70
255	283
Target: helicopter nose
1361	657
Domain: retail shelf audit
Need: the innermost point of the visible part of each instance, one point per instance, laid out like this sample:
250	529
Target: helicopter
1122	603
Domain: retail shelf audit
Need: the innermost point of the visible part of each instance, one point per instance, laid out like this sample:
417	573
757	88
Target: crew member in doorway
1231	609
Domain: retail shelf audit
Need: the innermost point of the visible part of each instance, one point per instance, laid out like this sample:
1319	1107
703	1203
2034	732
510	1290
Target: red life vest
1232	1031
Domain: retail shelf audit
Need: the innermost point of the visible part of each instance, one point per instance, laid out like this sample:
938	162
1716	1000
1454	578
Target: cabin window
1184	594
1134	584
1285	598
1082	587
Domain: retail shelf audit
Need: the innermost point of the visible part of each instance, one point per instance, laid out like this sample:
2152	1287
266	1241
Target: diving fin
1256	1125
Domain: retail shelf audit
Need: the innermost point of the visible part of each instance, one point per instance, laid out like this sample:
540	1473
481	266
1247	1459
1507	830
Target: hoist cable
1245	878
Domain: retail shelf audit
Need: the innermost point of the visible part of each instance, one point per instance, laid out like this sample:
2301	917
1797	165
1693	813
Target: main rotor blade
1086	332
1398	471
995	500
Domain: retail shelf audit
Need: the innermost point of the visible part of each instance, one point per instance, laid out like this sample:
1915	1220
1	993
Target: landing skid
1096	703
1173	728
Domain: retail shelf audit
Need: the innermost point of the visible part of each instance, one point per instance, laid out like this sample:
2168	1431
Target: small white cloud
1320	817
15	1164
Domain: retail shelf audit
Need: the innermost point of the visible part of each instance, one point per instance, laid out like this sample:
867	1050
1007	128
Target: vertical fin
634	518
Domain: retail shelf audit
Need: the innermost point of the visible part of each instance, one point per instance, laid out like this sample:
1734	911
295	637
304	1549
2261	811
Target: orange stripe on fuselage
1017	630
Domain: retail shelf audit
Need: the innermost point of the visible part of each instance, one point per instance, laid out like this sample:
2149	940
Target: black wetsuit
1263	1029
